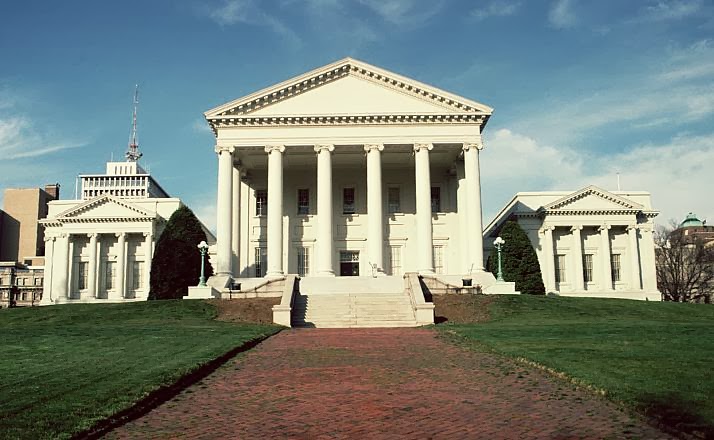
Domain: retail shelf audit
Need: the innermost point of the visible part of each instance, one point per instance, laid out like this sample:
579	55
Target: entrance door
349	263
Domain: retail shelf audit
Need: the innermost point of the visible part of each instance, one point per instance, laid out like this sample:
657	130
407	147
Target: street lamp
203	247
498	243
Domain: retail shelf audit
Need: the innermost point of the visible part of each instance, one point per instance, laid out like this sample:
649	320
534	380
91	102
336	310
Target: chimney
53	190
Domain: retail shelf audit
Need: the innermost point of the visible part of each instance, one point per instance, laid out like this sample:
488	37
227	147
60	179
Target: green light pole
203	247
499	242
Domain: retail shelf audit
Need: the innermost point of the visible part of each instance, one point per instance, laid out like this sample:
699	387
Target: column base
274	275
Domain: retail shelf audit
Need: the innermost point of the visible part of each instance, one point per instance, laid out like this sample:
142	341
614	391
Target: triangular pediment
592	199
349	87
104	207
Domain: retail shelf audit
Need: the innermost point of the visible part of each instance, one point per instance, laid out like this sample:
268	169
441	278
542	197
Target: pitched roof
340	69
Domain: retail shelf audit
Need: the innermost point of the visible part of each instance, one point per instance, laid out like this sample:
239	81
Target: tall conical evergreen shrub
519	260
177	260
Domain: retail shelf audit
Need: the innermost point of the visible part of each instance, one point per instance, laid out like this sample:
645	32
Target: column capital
221	148
92	235
270	148
477	144
546	229
324	147
422	145
633	226
120	234
603	227
48	238
576	228
147	234
370	147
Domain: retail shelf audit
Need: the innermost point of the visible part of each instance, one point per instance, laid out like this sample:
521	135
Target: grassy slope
66	367
657	357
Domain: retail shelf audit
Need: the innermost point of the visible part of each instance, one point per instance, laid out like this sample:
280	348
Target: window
82	272
24	295
588	268
261	202
303	261
560	268
348	201
439	259
435	199
395	260
109	269
615	265
261	261
137	275
38	281
303	197
393	200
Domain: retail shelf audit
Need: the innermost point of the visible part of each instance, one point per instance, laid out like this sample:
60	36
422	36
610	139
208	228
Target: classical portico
590	242
349	170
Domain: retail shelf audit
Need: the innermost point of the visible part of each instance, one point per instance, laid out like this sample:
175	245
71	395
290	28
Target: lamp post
498	243
203	247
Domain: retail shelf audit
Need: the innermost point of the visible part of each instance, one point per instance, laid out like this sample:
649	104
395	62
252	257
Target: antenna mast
132	154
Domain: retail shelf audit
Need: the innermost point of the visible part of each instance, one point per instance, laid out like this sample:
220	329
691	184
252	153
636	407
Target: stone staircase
347	310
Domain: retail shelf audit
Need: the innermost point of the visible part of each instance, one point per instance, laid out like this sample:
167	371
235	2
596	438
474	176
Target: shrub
177	260
518	260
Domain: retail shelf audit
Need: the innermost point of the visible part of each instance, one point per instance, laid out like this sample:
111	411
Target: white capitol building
356	180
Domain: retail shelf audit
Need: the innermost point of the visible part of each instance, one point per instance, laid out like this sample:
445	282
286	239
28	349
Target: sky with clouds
582	90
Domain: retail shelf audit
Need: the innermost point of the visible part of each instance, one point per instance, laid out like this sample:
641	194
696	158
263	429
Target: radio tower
132	154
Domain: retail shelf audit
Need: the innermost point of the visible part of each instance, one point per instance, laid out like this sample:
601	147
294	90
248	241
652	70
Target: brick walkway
382	383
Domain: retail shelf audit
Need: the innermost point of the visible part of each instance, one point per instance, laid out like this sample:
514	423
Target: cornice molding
341	120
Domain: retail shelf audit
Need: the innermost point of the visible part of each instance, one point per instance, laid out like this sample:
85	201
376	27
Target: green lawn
66	367
656	357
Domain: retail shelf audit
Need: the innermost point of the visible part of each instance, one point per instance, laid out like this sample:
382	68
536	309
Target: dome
691	221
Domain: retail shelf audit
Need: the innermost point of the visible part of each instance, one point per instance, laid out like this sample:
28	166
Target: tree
177	260
685	265
519	260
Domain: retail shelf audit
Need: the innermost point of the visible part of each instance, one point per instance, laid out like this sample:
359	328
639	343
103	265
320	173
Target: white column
424	249
92	267
47	294
472	172
275	210
606	273
548	258
465	252
375	226
119	291
324	211
578	277
223	211
235	222
647	252
70	266
61	269
634	258
148	256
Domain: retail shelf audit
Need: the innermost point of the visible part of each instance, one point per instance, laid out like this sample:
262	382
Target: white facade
99	249
590	242
349	170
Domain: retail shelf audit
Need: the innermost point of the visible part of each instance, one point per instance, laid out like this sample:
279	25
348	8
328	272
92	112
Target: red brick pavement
380	383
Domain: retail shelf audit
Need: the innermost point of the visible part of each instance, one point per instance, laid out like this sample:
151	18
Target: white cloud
232	12
497	8
404	12
676	92
676	172
19	139
670	10
561	15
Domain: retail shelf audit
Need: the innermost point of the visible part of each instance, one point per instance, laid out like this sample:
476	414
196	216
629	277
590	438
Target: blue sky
582	90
